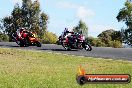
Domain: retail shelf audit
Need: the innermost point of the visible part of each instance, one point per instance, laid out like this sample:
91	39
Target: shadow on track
63	50
59	50
10	45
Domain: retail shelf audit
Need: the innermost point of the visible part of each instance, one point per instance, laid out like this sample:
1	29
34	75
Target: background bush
3	37
98	43
117	44
49	38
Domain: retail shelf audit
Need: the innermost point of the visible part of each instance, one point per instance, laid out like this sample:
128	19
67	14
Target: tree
110	38
116	44
95	42
7	22
49	38
3	37
105	36
43	23
81	28
116	36
1	24
125	15
29	16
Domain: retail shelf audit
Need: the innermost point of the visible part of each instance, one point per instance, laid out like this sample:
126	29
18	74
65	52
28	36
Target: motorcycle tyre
38	44
68	48
88	47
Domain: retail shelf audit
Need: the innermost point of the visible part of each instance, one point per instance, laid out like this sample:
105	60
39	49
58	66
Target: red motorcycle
75	41
27	39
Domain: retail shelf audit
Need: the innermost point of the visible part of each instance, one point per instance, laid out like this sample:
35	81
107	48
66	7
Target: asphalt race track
101	52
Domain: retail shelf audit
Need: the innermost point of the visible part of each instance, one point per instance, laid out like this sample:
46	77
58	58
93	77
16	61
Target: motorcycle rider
20	32
22	35
73	40
68	36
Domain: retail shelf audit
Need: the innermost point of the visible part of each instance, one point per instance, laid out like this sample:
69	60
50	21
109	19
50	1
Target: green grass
31	69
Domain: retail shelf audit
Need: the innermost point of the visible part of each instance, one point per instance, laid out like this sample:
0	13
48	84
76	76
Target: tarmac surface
99	52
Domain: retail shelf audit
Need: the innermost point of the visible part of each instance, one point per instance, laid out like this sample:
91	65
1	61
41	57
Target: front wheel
22	44
88	47
38	44
66	46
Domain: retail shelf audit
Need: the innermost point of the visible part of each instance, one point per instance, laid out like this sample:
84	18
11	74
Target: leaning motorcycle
75	41
28	39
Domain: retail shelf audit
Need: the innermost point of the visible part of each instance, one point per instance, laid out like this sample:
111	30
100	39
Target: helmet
21	29
66	29
72	32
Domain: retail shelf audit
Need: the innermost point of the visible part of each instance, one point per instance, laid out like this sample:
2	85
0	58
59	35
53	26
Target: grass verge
31	69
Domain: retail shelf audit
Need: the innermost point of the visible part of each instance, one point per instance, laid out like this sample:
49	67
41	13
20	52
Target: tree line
30	17
125	15
110	37
33	19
